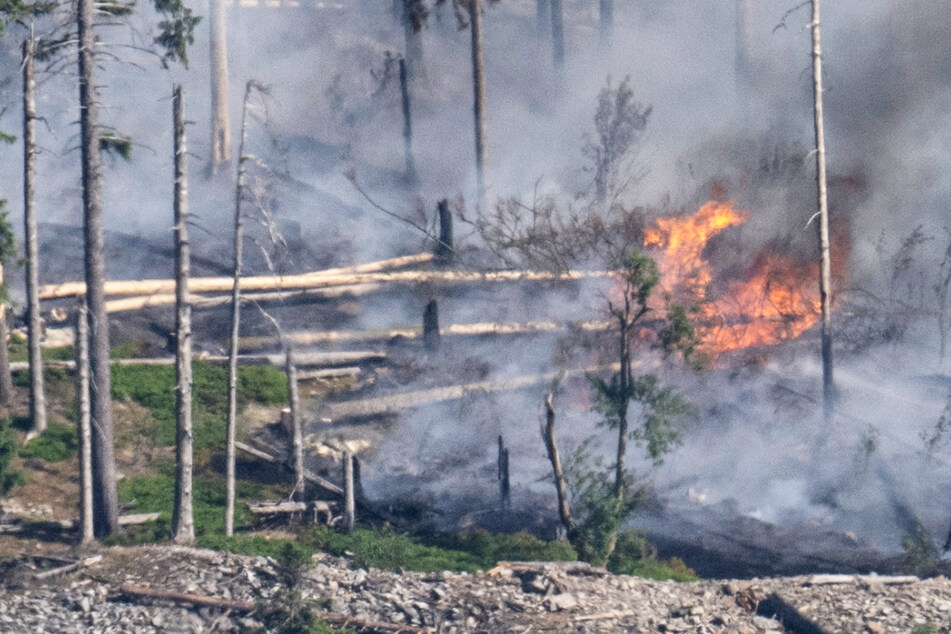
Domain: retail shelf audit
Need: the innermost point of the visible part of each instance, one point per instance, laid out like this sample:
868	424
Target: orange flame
777	299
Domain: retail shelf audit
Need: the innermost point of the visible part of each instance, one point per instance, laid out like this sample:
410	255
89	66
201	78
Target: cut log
53	572
275	508
885	580
141	592
135	519
224	284
257	453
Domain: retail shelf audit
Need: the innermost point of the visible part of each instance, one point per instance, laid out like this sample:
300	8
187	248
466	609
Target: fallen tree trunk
393	403
308	475
141	592
308	360
224	284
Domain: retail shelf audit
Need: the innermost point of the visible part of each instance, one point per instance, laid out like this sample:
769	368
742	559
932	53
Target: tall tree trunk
297	436
349	492
106	503
235	319
558	474
6	379
411	175
34	334
183	524
478	91
743	61
413	36
825	274
81	349
606	22
220	155
557	34
542	18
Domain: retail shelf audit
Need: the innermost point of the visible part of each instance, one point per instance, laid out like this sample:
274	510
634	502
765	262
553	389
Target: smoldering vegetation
756	447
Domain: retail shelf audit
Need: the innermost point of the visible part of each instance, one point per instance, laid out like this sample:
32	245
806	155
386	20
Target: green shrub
57	443
9	477
490	548
921	555
634	556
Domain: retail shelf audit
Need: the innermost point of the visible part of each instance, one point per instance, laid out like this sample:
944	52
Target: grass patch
19	351
154	388
57	443
490	548
9	477
634	556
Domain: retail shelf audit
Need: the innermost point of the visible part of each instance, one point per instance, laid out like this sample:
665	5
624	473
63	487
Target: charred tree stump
444	249
431	325
505	486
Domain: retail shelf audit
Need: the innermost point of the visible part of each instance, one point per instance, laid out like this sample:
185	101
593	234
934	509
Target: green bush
634	556
490	548
9	477
57	443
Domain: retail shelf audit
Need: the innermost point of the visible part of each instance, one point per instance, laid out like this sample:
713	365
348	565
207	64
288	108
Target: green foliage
926	628
921	555
112	143
490	548
176	31
16	10
8	450
678	335
154	388
57	443
634	556
641	277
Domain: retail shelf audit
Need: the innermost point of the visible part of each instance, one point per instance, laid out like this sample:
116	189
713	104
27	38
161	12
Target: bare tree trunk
6	379
235	320
478	90
564	510
349	500
557	34
606	22
183	524
743	61
298	432
411	176
542	18
104	465
444	250
505	483
34	330
412	34
220	154
825	275
81	350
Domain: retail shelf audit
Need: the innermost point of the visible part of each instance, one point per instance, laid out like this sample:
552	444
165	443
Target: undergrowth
57	443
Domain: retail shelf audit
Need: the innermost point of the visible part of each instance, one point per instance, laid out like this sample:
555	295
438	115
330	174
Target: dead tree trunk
104	465
411	176
81	350
505	484
183	524
349	500
34	329
6	379
478	91
825	275
235	319
444	250
558	474
412	33
542	18
220	154
606	22
297	442
431	325
557	34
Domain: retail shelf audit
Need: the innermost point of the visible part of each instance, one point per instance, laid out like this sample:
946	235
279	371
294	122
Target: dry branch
224	284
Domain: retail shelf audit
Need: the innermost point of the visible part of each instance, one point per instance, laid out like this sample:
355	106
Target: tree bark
431	325
557	34
413	44
411	176
235	320
444	250
478	91
220	155
81	350
825	274
34	329
6	379
505	483
183	524
606	22
104	465
297	437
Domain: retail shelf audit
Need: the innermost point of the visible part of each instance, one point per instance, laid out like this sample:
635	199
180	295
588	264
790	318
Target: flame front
775	300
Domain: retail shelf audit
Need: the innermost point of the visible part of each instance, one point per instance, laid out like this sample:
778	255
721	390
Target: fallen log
311	477
304	359
885	580
606	616
82	563
224	284
142	592
393	403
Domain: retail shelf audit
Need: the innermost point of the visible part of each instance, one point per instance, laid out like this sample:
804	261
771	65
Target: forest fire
775	300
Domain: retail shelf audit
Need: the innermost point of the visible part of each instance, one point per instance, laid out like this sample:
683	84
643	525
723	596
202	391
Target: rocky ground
509	598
